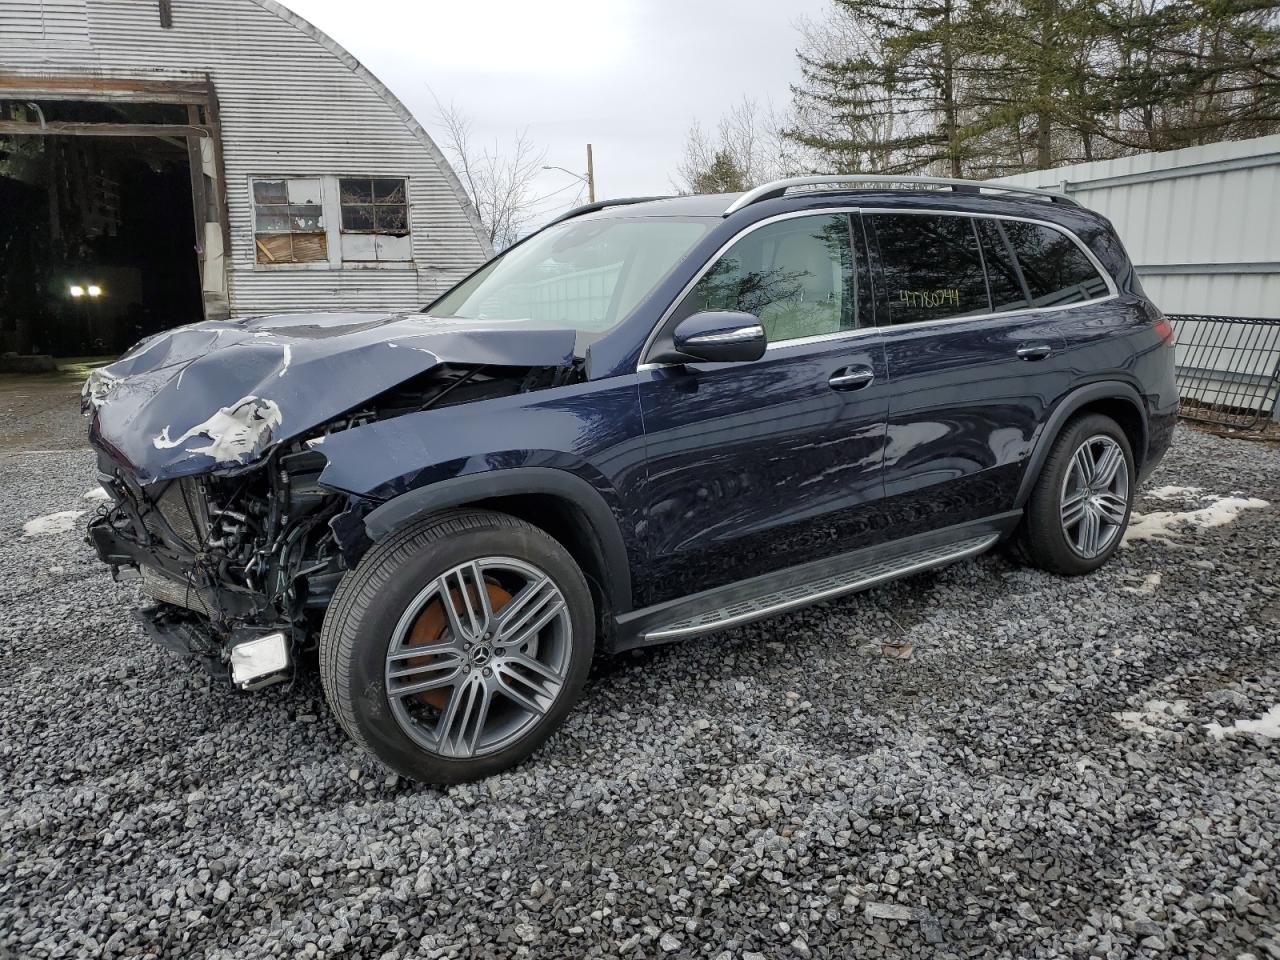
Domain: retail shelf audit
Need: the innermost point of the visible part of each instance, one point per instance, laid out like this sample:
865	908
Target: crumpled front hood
217	394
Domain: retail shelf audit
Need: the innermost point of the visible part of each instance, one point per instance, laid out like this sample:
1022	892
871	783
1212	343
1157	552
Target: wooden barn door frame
201	134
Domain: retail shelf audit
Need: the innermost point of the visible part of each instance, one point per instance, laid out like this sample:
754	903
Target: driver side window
795	275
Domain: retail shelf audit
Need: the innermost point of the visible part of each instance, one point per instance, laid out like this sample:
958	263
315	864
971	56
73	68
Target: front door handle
851	378
1035	351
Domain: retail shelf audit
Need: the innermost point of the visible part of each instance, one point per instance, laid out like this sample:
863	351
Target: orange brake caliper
431	625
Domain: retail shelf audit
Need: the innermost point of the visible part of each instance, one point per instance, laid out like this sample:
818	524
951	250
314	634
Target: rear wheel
1081	503
458	645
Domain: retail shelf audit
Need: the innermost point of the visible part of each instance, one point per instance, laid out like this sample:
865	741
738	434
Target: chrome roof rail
599	205
778	188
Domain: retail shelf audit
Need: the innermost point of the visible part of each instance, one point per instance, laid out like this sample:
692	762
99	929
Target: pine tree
990	87
892	99
722	176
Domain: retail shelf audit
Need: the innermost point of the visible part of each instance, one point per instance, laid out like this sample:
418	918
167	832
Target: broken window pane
359	247
289	220
269	191
271	221
357	218
388	191
304	190
394	220
394	248
375	206
305	218
356	191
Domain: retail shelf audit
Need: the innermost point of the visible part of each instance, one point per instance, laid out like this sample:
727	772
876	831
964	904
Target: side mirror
718	336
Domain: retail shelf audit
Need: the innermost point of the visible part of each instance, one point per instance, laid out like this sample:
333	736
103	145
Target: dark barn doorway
97	233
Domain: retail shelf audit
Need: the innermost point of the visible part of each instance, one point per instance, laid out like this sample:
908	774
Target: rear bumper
1160	426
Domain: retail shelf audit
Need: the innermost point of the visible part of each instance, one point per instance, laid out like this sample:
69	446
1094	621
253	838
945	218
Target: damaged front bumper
251	659
162	537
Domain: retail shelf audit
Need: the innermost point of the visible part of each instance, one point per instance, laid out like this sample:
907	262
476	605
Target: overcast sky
628	76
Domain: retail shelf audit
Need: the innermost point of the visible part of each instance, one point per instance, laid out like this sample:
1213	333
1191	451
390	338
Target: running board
856	578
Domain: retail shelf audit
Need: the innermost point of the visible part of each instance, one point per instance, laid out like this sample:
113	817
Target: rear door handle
851	378
1035	351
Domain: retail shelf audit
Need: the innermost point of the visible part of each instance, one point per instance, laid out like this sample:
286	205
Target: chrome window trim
1113	290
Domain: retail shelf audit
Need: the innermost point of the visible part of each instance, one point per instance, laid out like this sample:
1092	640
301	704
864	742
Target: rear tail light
1164	328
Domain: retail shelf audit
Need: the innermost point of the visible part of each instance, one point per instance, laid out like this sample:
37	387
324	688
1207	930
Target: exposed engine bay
252	546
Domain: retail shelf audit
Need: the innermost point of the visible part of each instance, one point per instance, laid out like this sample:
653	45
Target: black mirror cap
717	336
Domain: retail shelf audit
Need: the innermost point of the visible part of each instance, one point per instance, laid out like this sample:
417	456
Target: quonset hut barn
164	161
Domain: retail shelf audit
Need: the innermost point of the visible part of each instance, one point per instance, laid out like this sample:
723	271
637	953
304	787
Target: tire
1049	541
394	702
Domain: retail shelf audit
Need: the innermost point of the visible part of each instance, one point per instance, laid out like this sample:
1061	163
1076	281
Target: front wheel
458	645
1081	503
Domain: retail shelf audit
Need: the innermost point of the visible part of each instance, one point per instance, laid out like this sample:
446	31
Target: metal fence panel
1228	369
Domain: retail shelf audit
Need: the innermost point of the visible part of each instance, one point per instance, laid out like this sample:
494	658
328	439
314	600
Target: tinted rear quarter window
1054	267
932	269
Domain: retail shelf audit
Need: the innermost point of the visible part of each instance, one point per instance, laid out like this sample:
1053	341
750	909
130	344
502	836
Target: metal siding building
277	99
1201	224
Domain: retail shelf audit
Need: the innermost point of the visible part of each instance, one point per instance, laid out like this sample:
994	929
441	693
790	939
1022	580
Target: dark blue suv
650	420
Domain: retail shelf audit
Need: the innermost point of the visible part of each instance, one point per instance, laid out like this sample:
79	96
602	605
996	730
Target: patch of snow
1267	725
1149	584
288	358
233	431
95	493
52	523
1155	717
1160	524
1175	493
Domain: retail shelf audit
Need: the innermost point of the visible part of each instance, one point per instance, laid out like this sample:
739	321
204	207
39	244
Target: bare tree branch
498	178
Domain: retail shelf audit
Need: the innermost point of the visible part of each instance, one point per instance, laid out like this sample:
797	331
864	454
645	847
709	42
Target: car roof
717	205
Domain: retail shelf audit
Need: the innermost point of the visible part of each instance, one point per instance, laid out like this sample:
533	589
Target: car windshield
585	275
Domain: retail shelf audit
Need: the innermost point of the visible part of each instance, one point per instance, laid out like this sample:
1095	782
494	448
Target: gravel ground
1037	779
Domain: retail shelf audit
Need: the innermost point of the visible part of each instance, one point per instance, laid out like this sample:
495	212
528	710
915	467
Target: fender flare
1068	406
460	491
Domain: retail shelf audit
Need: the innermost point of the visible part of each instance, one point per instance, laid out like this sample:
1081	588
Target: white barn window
375	219
288	221
328	222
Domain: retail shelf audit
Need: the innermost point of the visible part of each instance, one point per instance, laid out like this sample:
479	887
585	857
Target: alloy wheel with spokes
478	656
458	644
1078	509
1095	496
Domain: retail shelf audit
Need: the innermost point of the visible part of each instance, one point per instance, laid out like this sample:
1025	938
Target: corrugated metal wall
292	103
1202	224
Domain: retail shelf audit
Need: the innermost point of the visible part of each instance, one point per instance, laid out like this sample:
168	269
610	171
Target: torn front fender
214	396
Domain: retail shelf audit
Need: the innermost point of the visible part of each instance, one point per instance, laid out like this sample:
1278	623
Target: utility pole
591	177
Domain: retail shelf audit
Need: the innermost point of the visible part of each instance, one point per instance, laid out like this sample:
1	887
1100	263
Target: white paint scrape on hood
235	432
216	395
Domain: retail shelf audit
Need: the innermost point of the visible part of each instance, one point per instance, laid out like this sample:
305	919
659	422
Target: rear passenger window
931	266
795	275
1054	267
